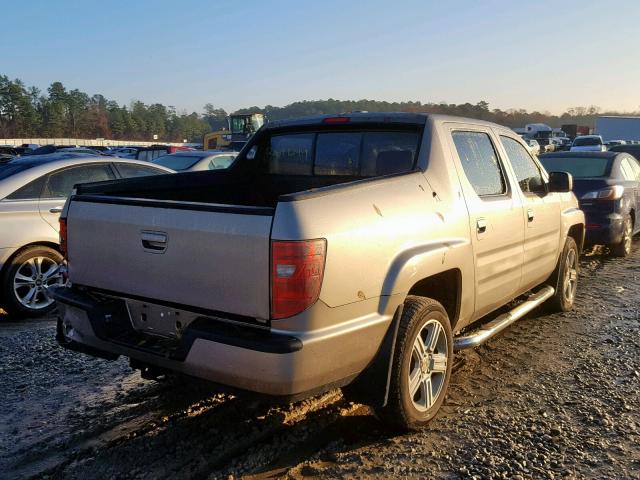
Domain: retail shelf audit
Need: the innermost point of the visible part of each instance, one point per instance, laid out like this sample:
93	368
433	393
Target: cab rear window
348	153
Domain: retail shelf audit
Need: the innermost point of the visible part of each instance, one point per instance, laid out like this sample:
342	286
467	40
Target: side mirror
560	182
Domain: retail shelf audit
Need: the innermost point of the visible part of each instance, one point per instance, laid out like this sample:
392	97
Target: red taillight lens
297	269
63	236
336	120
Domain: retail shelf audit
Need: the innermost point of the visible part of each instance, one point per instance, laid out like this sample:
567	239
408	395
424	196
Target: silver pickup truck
350	251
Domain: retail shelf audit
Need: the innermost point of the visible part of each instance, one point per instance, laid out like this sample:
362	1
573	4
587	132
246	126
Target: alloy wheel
32	281
428	366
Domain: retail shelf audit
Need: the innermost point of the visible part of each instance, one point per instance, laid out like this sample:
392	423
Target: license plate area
158	320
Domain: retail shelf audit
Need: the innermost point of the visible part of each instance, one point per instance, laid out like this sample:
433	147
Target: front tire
422	364
623	249
26	281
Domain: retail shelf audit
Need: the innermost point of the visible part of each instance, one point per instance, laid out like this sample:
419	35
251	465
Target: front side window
527	172
60	184
480	162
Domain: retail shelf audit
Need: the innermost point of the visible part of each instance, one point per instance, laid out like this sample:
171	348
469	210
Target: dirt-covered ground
553	397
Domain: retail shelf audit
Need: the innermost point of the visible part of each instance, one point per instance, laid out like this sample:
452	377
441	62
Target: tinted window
363	154
128	170
338	154
577	166
291	154
61	183
177	162
526	170
480	162
587	142
30	191
388	152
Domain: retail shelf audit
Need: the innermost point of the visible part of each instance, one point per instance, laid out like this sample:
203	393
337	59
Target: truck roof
377	117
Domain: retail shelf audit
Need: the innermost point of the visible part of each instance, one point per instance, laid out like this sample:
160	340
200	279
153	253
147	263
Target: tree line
60	112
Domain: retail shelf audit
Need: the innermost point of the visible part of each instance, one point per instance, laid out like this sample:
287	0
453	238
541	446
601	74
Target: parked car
147	154
335	251
608	187
32	192
630	148
125	152
196	160
588	143
533	145
83	150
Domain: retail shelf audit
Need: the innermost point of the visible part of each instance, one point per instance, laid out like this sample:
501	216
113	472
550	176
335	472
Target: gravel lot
555	396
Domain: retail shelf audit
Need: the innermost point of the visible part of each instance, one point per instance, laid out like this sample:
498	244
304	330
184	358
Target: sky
542	55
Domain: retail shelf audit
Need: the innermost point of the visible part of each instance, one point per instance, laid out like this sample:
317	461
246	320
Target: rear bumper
260	360
603	229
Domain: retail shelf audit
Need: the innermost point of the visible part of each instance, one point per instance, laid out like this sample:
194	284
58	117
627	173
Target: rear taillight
297	269
63	236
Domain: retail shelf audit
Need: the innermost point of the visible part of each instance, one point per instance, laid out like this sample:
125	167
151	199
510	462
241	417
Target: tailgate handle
154	241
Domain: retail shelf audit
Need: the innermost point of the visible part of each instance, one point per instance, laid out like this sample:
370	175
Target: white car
33	190
588	143
196	160
533	145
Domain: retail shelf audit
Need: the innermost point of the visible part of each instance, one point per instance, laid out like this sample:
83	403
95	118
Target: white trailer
618	128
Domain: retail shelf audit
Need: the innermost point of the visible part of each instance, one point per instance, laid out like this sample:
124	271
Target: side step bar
501	322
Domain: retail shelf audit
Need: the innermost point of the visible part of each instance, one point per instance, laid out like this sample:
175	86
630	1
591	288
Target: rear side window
30	191
480	162
60	184
350	153
527	172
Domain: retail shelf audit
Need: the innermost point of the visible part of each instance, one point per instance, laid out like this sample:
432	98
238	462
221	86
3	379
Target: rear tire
26	279
565	278
421	367
623	249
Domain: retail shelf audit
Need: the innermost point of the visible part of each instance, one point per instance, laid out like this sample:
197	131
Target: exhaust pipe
501	322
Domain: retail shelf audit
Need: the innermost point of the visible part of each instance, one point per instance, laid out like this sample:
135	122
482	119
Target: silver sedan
33	190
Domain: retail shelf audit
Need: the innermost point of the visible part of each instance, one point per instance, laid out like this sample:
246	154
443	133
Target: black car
630	148
607	185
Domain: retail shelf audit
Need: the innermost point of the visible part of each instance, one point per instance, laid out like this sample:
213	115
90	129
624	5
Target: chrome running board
501	322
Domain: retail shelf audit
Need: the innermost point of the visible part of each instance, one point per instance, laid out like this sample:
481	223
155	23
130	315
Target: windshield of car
587	142
579	167
177	162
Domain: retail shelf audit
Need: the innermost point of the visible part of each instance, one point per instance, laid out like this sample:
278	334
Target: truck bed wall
233	187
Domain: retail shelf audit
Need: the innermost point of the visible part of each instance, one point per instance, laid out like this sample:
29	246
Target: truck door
541	214
495	216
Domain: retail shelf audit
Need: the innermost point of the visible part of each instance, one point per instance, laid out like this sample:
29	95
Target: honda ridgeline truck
350	251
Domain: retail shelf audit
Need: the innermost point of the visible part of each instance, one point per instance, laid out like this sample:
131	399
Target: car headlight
610	193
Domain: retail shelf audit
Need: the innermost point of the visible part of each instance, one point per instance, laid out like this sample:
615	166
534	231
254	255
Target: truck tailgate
198	255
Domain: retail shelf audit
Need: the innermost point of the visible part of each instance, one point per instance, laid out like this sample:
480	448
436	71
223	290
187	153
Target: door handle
155	241
481	225
56	210
530	215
